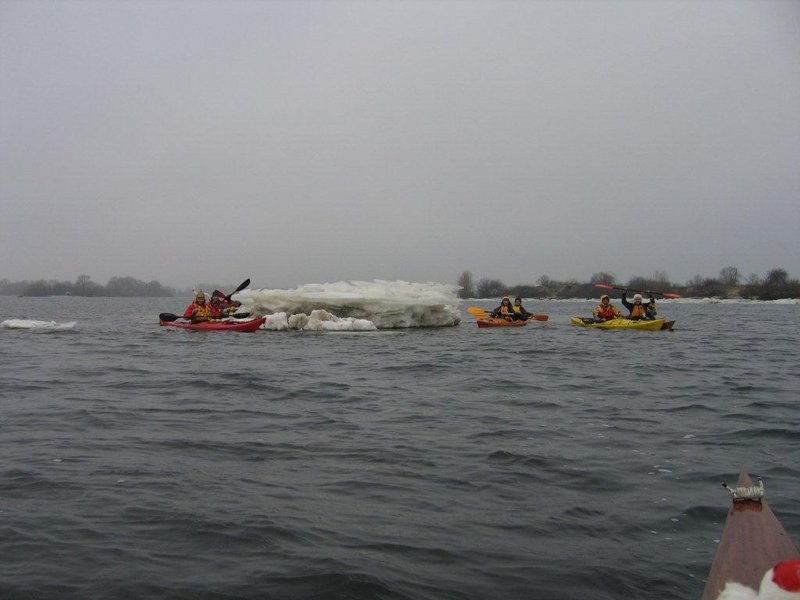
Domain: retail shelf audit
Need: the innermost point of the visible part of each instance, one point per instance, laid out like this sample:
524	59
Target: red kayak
494	322
225	325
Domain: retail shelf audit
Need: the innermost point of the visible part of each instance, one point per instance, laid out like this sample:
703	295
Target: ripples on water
547	462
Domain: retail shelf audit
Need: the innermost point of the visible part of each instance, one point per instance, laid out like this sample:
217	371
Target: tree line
84	286
774	285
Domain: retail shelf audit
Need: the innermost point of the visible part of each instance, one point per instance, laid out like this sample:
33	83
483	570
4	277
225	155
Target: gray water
548	462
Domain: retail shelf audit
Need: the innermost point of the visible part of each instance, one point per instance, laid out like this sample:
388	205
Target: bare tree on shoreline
775	285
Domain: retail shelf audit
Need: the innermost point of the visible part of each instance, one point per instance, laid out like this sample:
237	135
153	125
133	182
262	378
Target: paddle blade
670	295
239	288
540	317
604	286
168	317
478	312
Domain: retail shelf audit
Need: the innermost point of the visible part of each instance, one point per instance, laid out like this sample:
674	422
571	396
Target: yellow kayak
653	325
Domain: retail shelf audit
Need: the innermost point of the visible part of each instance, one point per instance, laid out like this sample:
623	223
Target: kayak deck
621	323
752	541
232	325
495	322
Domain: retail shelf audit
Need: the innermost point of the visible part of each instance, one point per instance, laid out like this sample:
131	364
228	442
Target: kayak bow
753	541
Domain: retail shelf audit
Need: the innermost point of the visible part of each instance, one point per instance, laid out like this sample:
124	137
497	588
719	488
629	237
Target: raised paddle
482	314
606	286
218	294
242	285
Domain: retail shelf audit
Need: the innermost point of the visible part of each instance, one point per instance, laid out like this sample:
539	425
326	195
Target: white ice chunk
384	304
35	325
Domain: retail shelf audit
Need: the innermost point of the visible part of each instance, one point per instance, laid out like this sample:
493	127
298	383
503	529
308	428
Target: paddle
242	285
606	286
482	314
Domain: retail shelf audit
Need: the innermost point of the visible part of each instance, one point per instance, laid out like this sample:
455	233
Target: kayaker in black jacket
520	314
637	309
505	310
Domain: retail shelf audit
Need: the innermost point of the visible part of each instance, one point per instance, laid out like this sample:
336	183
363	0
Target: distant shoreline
775	285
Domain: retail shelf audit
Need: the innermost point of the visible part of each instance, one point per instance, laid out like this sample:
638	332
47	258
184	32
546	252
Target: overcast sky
296	142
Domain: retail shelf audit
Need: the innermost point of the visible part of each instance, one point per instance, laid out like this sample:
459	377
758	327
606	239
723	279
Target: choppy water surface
548	462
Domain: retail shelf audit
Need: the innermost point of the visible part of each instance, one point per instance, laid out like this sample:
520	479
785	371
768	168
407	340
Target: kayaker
199	311
505	310
520	314
231	308
605	310
650	311
637	309
224	304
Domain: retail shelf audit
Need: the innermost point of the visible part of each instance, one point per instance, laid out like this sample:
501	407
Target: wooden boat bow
753	541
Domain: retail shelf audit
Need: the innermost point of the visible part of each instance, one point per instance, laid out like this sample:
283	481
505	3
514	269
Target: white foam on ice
346	305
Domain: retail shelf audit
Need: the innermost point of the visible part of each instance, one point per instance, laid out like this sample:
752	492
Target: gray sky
297	142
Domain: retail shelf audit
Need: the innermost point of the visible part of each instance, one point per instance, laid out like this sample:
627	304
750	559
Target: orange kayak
752	542
495	322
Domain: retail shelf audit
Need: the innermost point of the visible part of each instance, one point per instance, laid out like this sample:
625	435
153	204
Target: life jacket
205	311
606	312
517	309
504	311
638	311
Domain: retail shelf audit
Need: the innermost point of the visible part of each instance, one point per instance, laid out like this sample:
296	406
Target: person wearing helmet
605	310
505	310
637	309
519	314
199	310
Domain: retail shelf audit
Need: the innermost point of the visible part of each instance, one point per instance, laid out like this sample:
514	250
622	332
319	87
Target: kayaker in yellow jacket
605	310
505	310
638	310
199	310
520	314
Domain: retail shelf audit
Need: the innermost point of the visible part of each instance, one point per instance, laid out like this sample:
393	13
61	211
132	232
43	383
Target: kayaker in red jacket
199	310
605	311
